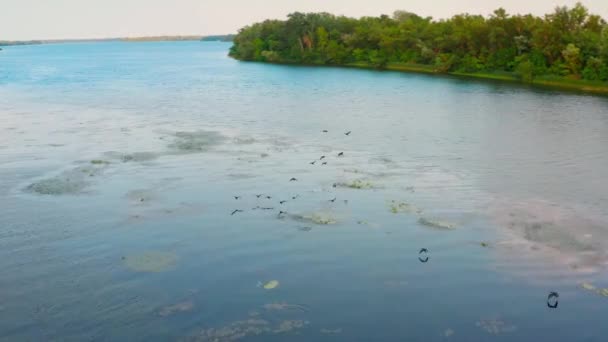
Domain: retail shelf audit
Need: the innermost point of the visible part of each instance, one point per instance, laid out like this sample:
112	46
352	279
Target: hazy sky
58	19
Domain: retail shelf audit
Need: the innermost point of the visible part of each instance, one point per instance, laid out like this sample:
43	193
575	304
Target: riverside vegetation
566	48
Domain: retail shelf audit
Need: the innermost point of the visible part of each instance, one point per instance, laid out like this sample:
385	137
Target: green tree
572	58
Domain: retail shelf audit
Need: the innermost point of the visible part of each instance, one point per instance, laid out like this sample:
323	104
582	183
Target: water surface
119	163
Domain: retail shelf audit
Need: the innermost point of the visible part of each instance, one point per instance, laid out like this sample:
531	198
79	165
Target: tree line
568	42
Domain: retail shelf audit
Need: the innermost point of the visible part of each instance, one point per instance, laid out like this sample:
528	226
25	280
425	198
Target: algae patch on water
273	284
248	328
197	141
358	184
318	218
151	261
436	224
284	307
136	157
403	207
176	308
69	182
592	288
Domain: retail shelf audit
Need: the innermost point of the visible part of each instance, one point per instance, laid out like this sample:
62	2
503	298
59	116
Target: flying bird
341	154
293	179
322	157
324	163
283	202
258	196
324	131
294	197
333	200
313	163
348	133
237	197
282	213
268	197
236	211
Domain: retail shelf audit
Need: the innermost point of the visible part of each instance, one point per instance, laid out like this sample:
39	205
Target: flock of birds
423	255
323	161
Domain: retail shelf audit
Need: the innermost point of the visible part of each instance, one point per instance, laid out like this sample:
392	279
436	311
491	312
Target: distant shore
224	38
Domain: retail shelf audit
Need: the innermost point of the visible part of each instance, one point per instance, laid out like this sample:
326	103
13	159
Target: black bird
552	300
236	211
322	157
293	179
324	131
283	202
237	197
348	133
258	196
333	200
268	197
341	154
324	163
313	163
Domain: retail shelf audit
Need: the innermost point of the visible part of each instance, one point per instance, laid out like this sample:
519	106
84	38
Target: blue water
119	163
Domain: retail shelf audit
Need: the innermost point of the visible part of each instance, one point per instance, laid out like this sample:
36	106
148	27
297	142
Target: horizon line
151	37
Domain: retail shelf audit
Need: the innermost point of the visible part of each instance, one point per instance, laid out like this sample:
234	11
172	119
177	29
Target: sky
63	19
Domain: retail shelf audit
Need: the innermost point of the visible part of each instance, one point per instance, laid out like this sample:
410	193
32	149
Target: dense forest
570	42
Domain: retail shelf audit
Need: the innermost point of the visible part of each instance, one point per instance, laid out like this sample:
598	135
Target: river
163	191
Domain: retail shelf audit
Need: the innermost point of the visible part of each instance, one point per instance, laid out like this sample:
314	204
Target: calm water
119	163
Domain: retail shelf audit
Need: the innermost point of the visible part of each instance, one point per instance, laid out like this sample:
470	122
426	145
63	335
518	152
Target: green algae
358	184
197	141
152	262
248	328
176	308
69	182
403	207
436	224
590	287
318	218
271	285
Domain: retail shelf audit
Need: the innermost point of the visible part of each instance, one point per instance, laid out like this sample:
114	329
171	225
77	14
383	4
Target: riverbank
546	81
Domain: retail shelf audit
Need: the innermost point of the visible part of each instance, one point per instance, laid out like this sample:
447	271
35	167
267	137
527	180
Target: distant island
567	48
223	38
